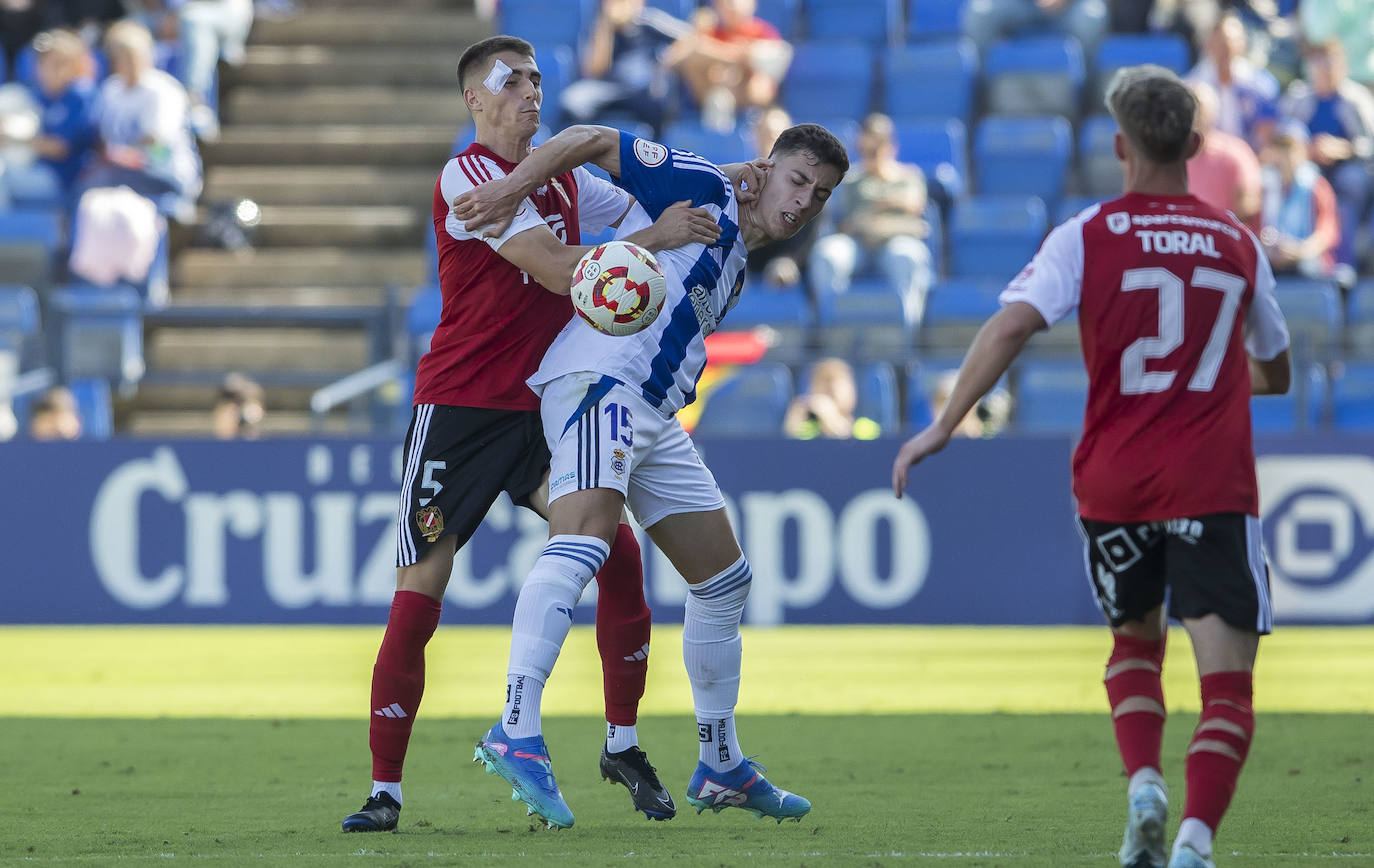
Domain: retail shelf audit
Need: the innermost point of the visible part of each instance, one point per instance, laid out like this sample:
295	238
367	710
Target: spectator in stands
1247	94
55	416
731	61
987	418
142	120
827	408
66	94
238	410
779	263
1301	224
1225	172
880	228
986	21
1339	114
1348	21
622	66
210	31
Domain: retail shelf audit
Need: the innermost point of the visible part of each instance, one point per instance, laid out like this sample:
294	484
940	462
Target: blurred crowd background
215	214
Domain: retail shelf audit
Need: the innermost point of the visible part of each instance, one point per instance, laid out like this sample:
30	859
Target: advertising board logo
1319	532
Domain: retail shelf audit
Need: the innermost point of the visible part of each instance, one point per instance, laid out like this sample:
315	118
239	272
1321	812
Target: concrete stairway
337	125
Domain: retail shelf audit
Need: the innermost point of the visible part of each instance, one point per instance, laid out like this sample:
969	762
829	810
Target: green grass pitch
245	746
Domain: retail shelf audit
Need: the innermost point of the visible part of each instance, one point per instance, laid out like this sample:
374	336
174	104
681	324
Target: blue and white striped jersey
665	360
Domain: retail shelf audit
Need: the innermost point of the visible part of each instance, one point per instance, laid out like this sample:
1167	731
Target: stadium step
223	348
196	422
164	397
417	144
346	105
338	226
305	266
301	65
324	185
280	296
380	25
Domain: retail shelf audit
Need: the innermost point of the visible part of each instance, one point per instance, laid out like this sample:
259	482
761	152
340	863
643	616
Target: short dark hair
480	51
1154	109
815	140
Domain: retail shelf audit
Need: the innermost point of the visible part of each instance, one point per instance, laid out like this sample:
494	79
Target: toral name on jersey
1179	242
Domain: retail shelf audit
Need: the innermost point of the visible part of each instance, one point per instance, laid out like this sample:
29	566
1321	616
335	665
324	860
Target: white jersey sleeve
599	202
467	171
1053	281
1266	332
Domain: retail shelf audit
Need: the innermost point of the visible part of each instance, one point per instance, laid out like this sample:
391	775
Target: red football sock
1137	700
622	628
1220	745
398	680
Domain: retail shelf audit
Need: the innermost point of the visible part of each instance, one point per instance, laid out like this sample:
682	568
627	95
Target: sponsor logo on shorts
563	481
430	521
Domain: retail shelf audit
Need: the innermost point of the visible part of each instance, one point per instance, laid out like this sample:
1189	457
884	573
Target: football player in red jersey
475	429
1179	328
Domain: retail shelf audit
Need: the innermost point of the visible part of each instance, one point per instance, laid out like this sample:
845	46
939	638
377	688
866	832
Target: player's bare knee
591	512
429	575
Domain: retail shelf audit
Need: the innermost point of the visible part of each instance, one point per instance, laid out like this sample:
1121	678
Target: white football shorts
602	434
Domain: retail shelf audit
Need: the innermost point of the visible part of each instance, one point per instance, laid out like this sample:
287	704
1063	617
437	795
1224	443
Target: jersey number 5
1135	380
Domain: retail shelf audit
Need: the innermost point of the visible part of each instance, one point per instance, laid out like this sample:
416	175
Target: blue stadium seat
1070	206
919	412
1050	397
933	19
939	147
1352	397
1360	323
878	392
910	74
868	20
1312	308
547	22
878	323
1034	75
29	242
99	333
557	62
1165	49
18	316
955	310
422	316
995	236
1028	156
782	14
1298	411
838	75
681	9
749	403
33	226
689	135
785	310
1099	171
93	405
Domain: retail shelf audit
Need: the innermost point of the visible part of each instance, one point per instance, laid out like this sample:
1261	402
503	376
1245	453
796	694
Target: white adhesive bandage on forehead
496	79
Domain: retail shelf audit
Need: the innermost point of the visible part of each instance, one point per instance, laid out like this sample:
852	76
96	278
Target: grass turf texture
216	745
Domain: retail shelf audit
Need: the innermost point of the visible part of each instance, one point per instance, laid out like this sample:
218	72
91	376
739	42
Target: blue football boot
524	763
743	787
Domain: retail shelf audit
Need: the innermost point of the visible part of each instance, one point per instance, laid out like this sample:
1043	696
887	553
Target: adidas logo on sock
392	710
641	654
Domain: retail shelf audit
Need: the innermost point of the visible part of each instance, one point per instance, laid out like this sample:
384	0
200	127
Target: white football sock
391	788
1145	776
620	738
543	614
1195	832
711	650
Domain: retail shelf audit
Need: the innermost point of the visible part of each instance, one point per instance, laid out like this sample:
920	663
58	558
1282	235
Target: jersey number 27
1135	380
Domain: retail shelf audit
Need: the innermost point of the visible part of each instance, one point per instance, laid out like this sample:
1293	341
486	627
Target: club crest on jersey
1119	222
618	461
650	153
430	521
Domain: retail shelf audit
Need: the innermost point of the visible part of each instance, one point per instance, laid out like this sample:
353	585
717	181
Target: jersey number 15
1135	380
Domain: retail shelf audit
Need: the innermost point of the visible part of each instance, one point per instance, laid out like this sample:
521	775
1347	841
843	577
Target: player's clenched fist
490	207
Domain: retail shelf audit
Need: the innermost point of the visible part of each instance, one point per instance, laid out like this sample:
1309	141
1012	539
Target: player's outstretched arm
492	205
994	348
679	225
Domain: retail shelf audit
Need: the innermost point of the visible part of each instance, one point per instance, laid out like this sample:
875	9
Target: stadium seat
933	19
838	75
1099	171
99	333
955	310
93	404
919	412
29	242
877	392
782	14
1298	411
907	70
18	317
1352	397
1165	49
1360	323
541	22
1312	308
422	316
1070	206
557	61
1023	155
689	135
1050	397
784	310
874	324
939	147
867	20
751	402
1034	75
995	236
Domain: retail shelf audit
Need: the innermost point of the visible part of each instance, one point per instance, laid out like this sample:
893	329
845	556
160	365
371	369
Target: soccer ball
619	288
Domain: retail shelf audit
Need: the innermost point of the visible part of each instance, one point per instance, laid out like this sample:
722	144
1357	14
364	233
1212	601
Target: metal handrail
355	385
